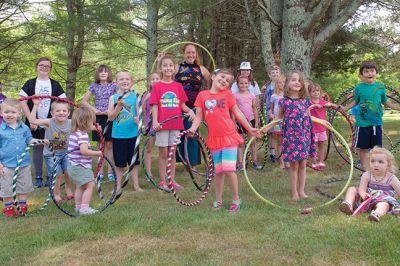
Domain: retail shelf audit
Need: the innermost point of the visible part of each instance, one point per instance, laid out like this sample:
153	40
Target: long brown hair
167	56
303	92
100	69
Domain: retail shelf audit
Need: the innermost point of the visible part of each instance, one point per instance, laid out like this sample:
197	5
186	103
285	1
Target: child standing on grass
273	114
80	161
57	130
297	144
319	111
14	136
248	106
167	99
124	114
369	95
102	89
380	183
153	78
216	106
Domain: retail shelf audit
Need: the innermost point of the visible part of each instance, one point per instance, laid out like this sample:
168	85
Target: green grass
150	228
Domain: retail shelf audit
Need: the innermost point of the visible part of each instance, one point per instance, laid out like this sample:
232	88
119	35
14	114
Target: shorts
165	138
123	151
24	181
241	129
320	136
38	133
80	175
102	121
368	137
225	159
61	166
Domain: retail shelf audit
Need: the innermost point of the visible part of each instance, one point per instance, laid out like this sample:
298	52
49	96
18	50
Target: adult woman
41	85
192	75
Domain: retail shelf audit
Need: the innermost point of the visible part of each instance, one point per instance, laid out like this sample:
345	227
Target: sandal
346	208
217	205
373	217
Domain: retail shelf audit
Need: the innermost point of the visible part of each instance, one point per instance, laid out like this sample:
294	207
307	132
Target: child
297	144
216	106
167	99
274	113
2	98
14	136
57	130
248	106
378	182
102	89
80	161
124	129
274	73
369	95
319	130
153	78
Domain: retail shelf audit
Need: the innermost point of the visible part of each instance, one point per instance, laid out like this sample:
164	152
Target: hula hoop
209	172
54	176
316	120
186	42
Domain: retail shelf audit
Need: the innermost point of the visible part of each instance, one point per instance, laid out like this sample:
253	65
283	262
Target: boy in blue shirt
14	136
369	95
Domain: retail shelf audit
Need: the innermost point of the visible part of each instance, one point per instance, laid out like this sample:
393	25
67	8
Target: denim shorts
61	166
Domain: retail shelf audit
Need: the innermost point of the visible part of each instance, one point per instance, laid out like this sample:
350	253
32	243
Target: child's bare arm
85	151
85	102
196	121
396	185
391	105
32	116
362	189
189	111
114	111
156	125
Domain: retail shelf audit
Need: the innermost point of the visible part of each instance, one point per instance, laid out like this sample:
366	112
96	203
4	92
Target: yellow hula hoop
182	43
316	120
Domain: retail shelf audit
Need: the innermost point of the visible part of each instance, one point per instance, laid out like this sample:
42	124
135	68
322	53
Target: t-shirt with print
169	98
76	157
43	88
245	104
370	98
319	113
124	125
216	109
58	135
102	94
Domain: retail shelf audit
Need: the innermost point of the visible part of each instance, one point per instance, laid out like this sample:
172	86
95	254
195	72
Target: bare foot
58	198
138	189
303	195
295	198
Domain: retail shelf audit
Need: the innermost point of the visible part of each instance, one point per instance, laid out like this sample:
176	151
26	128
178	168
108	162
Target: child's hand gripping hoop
309	209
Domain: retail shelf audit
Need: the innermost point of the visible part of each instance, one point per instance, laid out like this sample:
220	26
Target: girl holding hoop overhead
192	75
216	106
41	85
80	161
167	100
378	183
102	89
297	144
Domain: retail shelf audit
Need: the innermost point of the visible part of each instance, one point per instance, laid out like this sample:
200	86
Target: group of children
286	97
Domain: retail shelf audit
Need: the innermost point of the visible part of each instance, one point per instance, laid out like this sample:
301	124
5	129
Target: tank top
191	78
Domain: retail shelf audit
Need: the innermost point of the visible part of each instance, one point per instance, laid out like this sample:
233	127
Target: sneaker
23	209
315	166
373	217
217	205
176	186
47	183
256	165
163	186
272	158
39	182
111	178
322	165
345	208
88	211
235	207
9	211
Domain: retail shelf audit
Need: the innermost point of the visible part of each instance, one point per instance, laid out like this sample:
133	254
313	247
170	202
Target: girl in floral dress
297	143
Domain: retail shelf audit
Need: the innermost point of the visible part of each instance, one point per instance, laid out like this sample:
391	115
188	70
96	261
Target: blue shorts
61	166
123	151
368	137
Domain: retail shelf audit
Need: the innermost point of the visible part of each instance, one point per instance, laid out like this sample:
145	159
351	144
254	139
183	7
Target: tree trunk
153	7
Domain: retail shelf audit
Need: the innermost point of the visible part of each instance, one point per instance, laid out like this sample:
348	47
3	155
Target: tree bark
153	7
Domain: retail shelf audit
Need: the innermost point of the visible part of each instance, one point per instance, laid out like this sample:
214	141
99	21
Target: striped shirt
76	158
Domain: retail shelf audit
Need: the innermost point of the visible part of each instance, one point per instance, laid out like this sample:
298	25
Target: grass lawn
150	228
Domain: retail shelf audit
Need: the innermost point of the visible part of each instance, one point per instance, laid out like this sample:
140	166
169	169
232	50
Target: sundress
298	140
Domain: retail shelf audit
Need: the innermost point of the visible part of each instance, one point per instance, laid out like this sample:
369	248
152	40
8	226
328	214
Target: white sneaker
88	211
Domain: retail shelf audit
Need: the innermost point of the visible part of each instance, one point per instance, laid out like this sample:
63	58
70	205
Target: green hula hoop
316	120
181	43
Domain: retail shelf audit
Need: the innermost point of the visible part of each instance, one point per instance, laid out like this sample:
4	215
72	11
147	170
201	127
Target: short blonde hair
303	92
53	105
123	71
281	77
82	119
13	103
389	156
